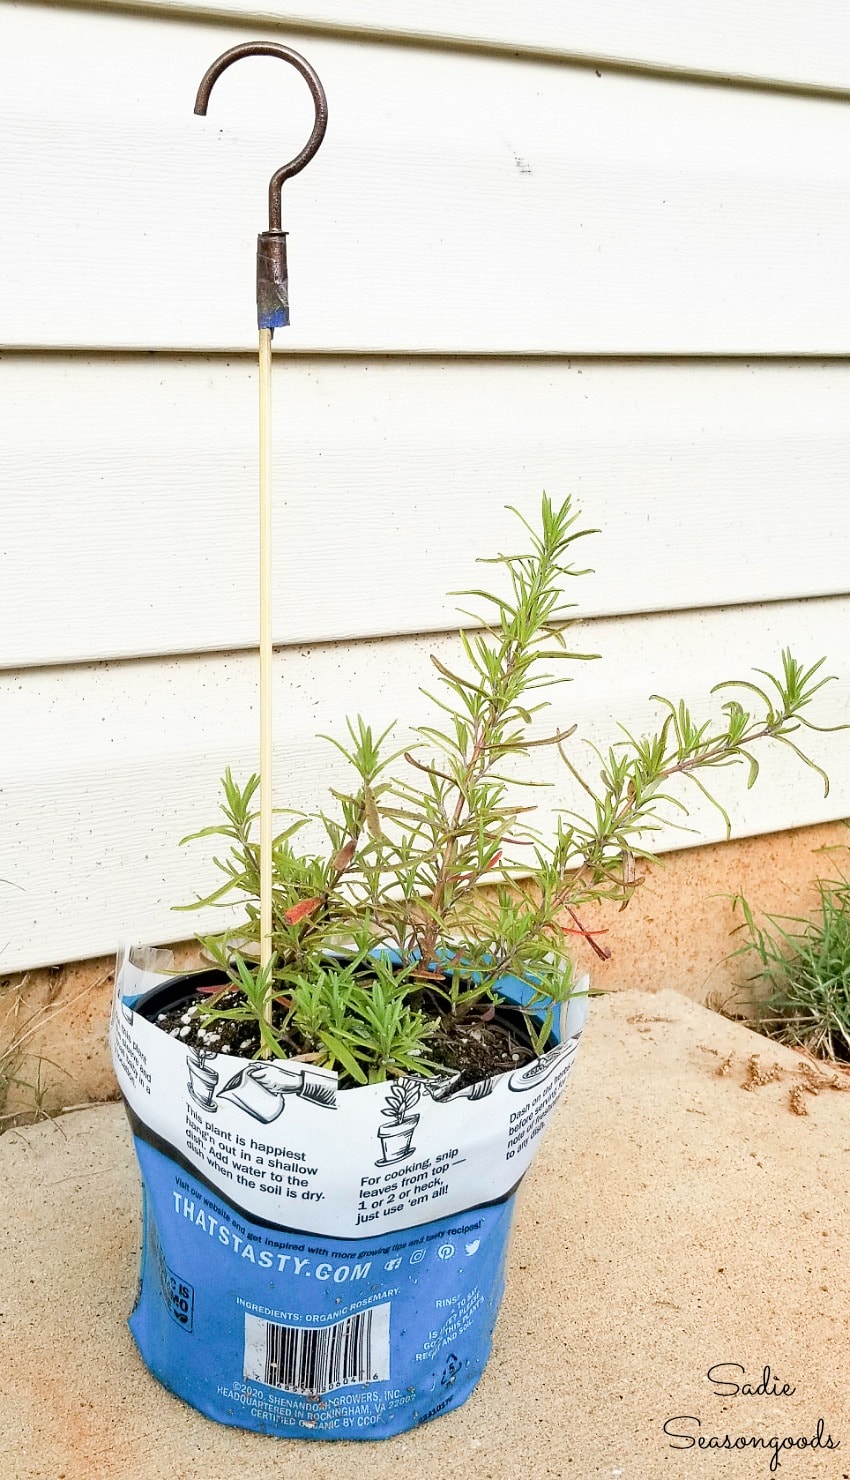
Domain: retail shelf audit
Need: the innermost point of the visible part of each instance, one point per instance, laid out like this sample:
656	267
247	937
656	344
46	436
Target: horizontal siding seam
434	634
446	356
476	46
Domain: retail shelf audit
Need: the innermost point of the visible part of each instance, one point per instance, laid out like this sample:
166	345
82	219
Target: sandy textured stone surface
672	1221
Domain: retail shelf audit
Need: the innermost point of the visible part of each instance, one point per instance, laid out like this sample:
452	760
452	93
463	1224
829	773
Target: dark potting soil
476	1047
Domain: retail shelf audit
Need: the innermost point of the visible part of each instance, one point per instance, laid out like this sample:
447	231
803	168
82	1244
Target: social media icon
417	1256
446	1251
393	1264
473	1247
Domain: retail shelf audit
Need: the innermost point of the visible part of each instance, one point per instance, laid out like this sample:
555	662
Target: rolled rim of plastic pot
267	1134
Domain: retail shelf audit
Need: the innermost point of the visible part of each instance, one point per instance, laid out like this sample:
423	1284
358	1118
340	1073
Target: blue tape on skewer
277	320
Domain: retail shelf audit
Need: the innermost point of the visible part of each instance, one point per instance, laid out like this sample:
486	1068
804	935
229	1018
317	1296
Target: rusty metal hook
286	54
272	276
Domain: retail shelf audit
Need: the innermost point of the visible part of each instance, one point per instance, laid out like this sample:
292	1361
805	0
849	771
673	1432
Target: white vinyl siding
461	204
763	42
711	484
113	763
508	273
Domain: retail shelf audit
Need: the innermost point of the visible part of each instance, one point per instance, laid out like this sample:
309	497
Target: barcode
316	1360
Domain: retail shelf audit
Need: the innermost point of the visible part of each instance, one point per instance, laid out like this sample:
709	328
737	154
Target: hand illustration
261	1088
278	1079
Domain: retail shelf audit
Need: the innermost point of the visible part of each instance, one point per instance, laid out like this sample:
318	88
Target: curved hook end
210	78
320	103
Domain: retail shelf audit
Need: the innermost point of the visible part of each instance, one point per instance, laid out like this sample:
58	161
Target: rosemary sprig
425	825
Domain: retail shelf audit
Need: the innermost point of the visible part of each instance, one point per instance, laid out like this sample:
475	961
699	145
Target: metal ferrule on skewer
272	281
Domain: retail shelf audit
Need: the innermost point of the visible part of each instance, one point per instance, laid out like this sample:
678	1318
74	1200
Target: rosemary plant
383	937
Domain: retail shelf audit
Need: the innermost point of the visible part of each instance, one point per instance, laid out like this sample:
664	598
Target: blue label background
201	1267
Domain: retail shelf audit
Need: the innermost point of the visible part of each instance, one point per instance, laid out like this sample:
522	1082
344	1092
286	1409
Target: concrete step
671	1222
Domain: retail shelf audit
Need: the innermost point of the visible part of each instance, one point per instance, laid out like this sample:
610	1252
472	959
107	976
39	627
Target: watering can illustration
539	1070
260	1089
445	1091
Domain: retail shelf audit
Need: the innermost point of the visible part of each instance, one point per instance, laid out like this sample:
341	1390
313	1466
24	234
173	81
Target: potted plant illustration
293	1281
397	1135
202	1080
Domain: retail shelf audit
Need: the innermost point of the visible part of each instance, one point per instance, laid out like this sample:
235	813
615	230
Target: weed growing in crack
805	964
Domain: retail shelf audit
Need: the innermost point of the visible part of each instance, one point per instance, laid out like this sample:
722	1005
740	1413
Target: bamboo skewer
272	313
265	382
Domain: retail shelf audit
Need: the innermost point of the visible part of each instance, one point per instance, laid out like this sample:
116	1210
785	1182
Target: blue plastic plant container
320	1263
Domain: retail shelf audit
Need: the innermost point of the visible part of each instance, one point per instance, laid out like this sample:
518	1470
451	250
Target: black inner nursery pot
471	1050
